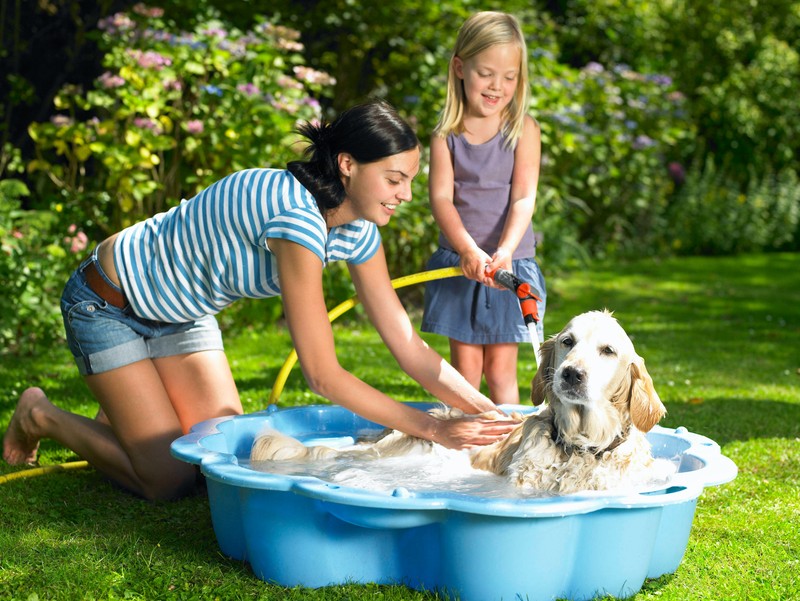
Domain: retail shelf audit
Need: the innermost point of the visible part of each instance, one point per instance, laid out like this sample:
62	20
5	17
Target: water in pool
437	470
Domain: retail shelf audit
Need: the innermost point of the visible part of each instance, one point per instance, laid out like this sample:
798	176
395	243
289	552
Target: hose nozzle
523	290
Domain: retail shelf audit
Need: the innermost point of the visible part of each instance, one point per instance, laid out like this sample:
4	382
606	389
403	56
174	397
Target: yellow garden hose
283	374
41	471
341	309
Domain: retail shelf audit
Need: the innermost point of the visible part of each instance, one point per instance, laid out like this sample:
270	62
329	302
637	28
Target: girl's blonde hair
479	32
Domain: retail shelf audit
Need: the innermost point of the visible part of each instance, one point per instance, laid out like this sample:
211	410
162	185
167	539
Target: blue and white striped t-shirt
207	252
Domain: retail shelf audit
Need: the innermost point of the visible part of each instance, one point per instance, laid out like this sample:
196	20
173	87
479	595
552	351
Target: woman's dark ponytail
368	132
320	172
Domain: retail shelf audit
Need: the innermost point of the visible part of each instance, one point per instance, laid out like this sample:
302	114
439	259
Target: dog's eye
608	350
568	341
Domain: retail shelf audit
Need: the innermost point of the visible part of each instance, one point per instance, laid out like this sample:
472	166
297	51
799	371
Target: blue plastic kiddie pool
301	530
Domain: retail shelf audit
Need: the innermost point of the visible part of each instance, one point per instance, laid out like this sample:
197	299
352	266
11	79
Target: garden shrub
172	113
737	61
712	216
36	256
608	136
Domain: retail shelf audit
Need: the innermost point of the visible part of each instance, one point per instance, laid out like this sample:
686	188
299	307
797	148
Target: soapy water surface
436	471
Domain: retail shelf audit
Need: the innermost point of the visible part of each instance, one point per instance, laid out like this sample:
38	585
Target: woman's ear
345	162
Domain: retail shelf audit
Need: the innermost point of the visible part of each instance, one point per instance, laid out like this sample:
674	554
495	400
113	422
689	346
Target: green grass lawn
721	338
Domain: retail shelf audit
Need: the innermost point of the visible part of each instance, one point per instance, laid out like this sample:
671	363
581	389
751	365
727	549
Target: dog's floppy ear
645	406
544	375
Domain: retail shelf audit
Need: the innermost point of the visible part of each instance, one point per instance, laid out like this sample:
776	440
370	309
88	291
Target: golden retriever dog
600	402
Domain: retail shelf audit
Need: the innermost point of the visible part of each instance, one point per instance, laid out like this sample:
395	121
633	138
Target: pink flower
215	32
310	75
150	59
248	89
116	23
147	123
109	80
194	127
290	45
676	172
289	83
173	84
77	243
61	120
148	11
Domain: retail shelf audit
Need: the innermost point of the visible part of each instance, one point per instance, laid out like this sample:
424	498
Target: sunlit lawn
721	338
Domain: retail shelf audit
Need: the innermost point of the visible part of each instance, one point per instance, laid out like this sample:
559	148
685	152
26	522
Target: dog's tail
271	445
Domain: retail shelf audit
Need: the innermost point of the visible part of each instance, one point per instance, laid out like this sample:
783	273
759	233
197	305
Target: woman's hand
472	430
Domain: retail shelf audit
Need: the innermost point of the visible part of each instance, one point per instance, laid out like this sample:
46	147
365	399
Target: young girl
483	175
139	312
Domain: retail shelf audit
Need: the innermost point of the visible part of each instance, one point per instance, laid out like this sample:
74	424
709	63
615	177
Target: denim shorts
103	337
468	311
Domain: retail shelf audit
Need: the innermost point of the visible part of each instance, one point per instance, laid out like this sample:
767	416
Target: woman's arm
441	184
413	354
300	273
524	181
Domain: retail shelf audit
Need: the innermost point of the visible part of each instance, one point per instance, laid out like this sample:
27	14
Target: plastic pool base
299	530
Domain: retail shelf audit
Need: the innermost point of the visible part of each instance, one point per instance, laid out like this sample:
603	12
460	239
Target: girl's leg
468	360
500	368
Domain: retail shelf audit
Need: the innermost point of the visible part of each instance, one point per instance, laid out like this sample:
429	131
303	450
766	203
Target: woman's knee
168	482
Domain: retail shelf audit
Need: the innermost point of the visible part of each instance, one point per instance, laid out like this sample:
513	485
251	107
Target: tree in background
737	62
168	114
667	126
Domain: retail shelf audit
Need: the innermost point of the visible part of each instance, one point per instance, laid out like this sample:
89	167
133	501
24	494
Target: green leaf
194	68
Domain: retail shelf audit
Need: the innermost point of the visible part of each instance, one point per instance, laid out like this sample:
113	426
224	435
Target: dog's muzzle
570	383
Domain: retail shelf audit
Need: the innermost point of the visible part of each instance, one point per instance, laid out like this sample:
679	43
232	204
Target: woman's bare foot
21	440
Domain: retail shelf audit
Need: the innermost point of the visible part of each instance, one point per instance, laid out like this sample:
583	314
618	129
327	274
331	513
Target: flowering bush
35	259
609	139
172	113
711	215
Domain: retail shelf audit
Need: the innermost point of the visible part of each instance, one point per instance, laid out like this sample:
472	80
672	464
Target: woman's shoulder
250	177
276	189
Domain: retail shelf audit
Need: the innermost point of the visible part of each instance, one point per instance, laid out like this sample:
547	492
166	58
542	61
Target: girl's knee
499	372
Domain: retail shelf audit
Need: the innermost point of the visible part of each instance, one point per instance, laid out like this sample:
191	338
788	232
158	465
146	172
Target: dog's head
591	369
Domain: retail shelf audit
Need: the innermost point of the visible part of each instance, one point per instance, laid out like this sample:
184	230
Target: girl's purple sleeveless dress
463	309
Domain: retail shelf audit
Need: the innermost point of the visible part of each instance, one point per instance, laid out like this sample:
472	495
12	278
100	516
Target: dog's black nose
572	375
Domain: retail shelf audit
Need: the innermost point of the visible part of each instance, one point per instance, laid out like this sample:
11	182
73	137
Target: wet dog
600	402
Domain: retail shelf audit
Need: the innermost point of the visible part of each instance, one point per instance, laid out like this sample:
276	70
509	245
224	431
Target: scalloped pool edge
299	530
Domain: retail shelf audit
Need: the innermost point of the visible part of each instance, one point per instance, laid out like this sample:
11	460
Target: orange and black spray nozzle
523	290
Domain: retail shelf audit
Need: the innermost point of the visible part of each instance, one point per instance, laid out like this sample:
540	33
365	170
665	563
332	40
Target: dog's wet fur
599	403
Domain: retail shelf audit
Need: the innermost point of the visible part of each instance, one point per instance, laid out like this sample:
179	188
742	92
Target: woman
139	312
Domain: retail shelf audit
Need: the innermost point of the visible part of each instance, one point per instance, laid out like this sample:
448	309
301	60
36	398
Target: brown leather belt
102	288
